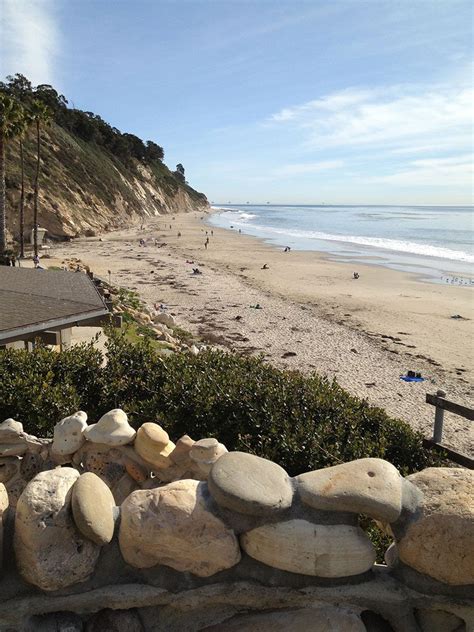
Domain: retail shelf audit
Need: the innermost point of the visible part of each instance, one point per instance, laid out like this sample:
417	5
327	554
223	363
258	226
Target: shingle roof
32	298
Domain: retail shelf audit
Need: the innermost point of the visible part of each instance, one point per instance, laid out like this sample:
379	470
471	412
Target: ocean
434	242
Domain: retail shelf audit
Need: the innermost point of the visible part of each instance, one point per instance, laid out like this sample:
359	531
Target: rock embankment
105	491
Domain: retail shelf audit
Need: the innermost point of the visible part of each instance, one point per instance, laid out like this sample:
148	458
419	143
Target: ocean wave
237	215
381	243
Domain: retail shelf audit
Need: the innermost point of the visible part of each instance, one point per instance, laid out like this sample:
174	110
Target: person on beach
264	267
212	232
355	275
179	234
36	261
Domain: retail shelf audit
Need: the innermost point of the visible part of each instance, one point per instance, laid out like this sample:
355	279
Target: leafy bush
40	388
301	422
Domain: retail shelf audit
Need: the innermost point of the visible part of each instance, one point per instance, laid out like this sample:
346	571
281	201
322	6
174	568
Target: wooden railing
435	443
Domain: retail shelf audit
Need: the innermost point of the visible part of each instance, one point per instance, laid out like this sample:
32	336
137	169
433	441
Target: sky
323	101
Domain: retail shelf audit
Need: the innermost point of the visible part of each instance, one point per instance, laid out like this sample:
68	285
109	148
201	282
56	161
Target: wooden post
439	419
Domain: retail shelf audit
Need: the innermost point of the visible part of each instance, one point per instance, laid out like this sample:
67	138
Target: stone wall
108	528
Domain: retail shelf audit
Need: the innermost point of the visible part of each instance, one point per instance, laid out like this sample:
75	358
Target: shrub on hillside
39	388
301	422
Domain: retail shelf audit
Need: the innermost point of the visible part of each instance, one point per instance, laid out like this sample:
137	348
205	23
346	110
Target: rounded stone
205	453
68	437
172	525
204	449
369	486
249	484
12	438
153	444
112	429
50	551
180	454
299	546
93	508
438	538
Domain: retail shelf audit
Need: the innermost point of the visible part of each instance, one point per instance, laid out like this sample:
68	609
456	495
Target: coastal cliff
93	178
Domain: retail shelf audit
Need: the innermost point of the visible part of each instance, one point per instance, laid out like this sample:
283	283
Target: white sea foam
381	243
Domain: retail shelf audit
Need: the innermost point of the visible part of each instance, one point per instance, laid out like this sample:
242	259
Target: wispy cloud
30	39
435	172
304	168
395	117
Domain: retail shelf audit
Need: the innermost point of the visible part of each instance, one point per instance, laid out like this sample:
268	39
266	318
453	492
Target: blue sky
289	102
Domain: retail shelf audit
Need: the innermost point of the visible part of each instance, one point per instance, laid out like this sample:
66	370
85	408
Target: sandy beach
315	316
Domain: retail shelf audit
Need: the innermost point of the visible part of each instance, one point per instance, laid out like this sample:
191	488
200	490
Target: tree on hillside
179	173
20	130
153	151
11	113
18	86
41	114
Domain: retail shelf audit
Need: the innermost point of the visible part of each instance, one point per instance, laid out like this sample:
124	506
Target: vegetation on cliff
93	177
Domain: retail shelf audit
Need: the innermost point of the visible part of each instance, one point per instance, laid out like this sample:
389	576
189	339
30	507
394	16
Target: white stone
112	429
68	434
50	551
171	525
165	319
299	546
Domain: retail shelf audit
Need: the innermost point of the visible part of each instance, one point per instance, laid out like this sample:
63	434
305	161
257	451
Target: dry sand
314	316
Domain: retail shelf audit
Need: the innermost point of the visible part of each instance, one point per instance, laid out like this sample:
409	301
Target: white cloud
395	117
434	172
29	39
303	168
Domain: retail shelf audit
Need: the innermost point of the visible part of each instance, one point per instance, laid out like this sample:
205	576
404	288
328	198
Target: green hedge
301	422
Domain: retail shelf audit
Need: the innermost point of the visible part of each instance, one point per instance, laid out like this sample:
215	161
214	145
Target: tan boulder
93	508
12	438
50	551
171	525
68	437
180	454
112	429
153	444
164	319
439	538
205	453
299	546
368	486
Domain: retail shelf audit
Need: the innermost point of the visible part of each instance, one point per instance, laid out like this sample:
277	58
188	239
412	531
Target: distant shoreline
375	260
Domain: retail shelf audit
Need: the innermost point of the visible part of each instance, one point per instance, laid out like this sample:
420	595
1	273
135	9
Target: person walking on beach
205	244
36	261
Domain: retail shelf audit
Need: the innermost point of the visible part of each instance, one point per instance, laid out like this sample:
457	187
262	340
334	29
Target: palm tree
10	114
40	113
20	129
